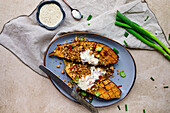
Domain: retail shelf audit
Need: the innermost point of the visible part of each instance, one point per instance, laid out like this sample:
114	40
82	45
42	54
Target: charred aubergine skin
71	51
105	87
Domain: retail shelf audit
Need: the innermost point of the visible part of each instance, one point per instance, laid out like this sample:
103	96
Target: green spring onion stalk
118	19
127	26
148	42
141	30
123	25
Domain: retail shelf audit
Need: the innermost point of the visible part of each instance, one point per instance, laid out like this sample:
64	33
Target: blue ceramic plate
38	13
126	63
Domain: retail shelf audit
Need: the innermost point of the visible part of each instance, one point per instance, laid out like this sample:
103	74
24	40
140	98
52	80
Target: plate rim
90	33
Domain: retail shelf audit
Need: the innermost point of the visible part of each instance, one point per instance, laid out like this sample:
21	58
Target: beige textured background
24	91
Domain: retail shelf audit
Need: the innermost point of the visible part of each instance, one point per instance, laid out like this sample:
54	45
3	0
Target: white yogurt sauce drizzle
86	57
89	80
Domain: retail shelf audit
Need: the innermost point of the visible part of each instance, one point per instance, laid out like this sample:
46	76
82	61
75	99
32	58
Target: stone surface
24	91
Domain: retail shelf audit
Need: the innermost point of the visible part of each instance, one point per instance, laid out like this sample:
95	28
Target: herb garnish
90	100
96	93
89	17
83	93
118	107
126	107
152	78
143	110
81	39
125	43
126	34
74	81
147	18
122	74
166	87
115	50
99	48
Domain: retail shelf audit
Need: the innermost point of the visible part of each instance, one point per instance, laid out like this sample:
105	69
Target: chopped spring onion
169	36
143	110
118	107
90	100
74	81
89	17
83	93
126	107
88	24
166	87
99	48
81	16
81	39
126	34
96	93
147	18
152	78
122	74
76	78
125	43
115	50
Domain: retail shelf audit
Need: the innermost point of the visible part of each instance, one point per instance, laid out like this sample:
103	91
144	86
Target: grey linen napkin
28	41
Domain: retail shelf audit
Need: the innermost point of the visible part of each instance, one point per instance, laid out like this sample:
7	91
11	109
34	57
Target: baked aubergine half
94	80
93	53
